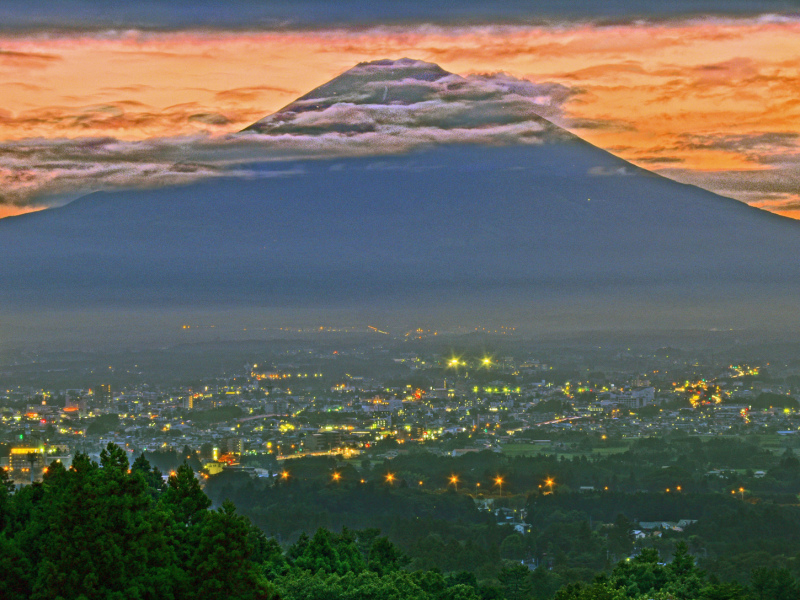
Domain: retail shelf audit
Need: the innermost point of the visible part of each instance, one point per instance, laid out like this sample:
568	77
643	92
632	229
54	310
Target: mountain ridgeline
546	232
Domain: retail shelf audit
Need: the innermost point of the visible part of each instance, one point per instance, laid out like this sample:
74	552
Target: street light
336	477
285	475
477	485
499	483
390	478
454	481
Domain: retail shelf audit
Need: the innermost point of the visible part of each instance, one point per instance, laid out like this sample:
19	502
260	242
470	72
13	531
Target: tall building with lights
102	395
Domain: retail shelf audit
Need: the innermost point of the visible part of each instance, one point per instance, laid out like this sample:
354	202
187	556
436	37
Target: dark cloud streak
17	15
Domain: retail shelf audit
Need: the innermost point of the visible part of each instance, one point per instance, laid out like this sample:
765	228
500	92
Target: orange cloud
641	90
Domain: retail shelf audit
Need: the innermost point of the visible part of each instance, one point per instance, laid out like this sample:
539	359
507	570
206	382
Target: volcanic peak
408	94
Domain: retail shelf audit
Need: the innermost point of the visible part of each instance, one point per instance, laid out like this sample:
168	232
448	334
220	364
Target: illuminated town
381	401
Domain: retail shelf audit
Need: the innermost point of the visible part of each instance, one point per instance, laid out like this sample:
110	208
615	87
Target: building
323	441
102	395
26	463
233	445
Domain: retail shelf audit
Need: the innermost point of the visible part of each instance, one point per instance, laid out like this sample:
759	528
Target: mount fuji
456	201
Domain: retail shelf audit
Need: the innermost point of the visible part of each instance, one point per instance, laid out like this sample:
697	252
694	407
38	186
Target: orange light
285	475
390	478
336	476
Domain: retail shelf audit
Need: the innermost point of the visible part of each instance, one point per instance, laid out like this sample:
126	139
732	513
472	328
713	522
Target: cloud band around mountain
383	111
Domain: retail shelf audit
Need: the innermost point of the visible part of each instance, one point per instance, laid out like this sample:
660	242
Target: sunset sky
712	100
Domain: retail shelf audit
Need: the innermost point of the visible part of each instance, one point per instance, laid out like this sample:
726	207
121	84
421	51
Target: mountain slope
549	235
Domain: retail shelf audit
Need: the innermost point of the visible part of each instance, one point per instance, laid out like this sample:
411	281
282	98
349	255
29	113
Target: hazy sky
711	99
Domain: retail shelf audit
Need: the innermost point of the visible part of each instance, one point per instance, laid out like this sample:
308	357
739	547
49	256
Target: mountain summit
551	235
395	96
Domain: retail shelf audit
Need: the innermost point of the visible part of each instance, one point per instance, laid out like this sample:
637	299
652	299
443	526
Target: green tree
222	568
384	556
774	584
184	497
620	536
515	580
513	547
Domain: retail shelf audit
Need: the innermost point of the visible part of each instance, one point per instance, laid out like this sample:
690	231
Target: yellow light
336	476
390	478
285	475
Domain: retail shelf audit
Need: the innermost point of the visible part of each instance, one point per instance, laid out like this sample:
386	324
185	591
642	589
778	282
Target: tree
513	547
15	571
222	565
599	590
774	584
620	536
184	497
330	553
151	475
6	490
385	557
515	580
